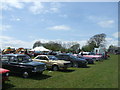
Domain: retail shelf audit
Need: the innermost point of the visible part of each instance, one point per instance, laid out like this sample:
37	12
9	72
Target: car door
13	64
65	57
5	62
60	57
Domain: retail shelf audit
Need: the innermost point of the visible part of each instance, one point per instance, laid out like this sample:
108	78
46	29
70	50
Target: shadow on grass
7	86
84	67
67	71
36	76
93	64
39	76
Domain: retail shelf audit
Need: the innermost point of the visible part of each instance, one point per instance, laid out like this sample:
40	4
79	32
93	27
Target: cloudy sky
25	22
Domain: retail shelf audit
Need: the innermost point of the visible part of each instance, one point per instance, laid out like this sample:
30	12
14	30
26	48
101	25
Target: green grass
100	75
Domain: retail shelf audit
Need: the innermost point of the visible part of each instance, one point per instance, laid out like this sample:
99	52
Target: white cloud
39	7
111	41
63	15
94	18
6	41
5	27
9	4
106	23
18	19
103	22
116	35
14	18
35	6
54	7
59	27
1	17
82	43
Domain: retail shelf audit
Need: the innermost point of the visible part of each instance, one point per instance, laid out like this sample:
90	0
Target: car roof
14	55
64	54
45	55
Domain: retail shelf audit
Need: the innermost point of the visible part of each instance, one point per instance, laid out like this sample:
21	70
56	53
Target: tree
53	46
75	48
86	48
95	42
37	44
98	40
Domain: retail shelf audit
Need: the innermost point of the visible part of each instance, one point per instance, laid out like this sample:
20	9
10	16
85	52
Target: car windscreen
91	53
4	58
52	58
74	57
24	59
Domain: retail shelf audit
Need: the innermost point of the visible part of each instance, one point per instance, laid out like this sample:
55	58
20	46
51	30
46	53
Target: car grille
40	67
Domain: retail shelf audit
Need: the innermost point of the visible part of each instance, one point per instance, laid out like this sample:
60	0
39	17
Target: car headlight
45	67
7	74
35	68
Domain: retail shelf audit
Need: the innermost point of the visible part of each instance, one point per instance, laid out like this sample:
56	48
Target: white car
52	62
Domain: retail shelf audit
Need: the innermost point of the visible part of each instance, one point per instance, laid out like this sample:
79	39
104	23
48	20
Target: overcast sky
23	23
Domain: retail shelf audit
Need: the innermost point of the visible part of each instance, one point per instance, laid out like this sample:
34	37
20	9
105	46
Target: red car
94	57
5	74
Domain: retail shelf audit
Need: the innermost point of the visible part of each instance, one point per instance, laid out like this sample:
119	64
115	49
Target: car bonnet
3	70
33	63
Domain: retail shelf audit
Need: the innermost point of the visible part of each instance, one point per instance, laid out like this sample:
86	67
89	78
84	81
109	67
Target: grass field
99	75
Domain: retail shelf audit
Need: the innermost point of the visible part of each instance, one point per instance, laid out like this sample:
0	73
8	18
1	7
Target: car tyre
55	68
25	74
75	65
41	73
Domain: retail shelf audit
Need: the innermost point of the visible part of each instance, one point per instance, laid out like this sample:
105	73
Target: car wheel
41	72
72	64
75	64
25	74
55	68
65	68
84	66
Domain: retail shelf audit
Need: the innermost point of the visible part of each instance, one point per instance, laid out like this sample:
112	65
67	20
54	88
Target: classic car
22	64
89	60
53	62
5	74
75	61
92	56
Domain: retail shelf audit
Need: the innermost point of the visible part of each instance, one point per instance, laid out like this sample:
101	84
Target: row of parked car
26	66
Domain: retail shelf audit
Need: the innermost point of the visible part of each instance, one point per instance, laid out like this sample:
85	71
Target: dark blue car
75	61
22	64
89	60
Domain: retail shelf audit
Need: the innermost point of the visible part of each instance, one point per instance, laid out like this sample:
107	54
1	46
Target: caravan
101	51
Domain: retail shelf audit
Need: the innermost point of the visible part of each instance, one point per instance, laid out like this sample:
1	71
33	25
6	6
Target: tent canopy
41	48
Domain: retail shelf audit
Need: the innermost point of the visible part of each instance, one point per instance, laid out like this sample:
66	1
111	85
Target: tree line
94	42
